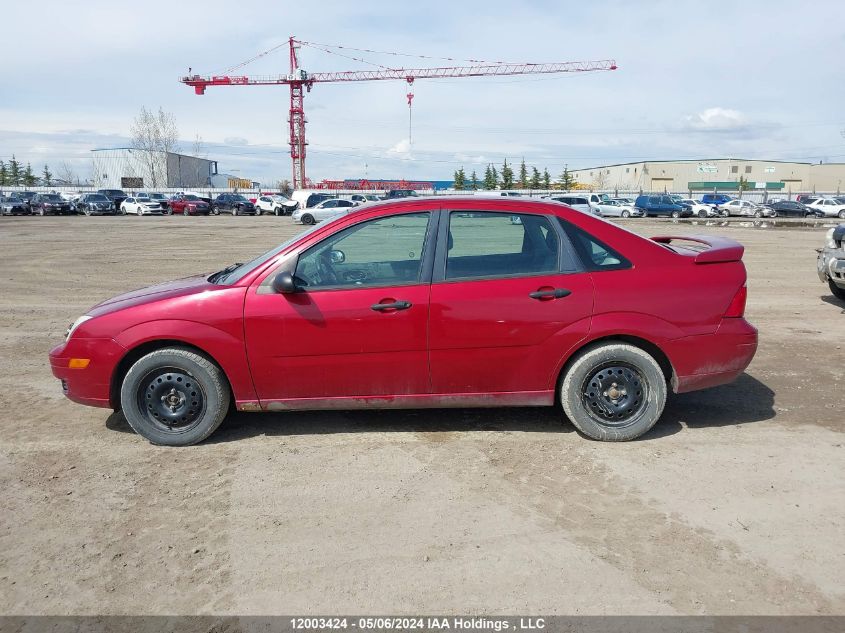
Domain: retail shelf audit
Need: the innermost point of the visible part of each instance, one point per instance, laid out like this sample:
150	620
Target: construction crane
300	81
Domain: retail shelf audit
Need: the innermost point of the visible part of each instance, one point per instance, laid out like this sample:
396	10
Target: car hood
158	292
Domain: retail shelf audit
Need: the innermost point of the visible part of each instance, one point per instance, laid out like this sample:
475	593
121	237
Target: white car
140	206
745	208
701	209
612	208
830	207
363	198
323	211
278	205
575	201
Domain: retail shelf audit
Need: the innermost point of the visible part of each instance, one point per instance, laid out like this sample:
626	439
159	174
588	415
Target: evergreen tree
489	181
4	173
14	172
473	181
460	179
28	177
547	179
47	176
523	175
507	175
566	179
495	173
743	183
535	178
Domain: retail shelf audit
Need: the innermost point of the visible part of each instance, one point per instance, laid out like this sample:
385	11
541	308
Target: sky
739	79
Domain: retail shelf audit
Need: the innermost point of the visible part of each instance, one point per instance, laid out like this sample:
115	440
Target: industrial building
719	174
129	168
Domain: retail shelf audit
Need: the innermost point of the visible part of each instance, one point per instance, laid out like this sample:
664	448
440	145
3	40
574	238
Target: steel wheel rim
171	399
614	394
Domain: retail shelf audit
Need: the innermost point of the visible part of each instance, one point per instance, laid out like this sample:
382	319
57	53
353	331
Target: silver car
831	261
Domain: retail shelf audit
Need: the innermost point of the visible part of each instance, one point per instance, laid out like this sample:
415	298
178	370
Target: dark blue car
661	205
715	198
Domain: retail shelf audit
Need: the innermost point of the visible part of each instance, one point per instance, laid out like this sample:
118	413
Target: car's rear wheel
773	214
676	214
758	214
278	211
185	211
215	211
702	214
625	214
236	211
307	219
613	392
174	397
838	292
842	214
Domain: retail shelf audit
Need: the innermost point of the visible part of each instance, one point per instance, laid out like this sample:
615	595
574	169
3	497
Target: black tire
236	210
842	214
625	214
758	214
197	387
676	214
640	386
702	214
773	214
307	219
185	211
838	292
215	211
278	211
167	211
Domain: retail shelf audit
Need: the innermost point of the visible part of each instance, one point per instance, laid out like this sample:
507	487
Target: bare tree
284	187
152	134
198	149
66	173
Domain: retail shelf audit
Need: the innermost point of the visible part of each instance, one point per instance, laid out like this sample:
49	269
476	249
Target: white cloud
717	119
403	148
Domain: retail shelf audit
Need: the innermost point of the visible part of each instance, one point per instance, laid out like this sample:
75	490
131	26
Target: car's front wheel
676	214
307	219
838	292
842	214
625	214
613	392
174	397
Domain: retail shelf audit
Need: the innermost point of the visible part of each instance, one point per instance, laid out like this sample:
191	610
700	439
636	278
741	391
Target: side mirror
337	257
284	283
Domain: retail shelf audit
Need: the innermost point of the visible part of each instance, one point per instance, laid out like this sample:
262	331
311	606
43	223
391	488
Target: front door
507	300
359	327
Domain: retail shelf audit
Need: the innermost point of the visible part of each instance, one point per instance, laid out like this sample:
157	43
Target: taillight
736	309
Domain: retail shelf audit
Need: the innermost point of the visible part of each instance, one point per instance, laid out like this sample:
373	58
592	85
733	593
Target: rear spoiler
720	249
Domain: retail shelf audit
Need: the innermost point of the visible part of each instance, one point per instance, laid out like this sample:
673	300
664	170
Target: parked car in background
188	204
394	194
163	200
629	201
308	199
26	196
715	198
322	211
700	209
574	201
275	204
363	198
13	206
611	208
140	206
117	196
806	198
830	207
745	208
94	204
49	204
792	209
233	203
403	306
831	261
661	205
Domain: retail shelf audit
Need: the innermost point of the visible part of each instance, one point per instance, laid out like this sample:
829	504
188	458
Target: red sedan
459	302
188	205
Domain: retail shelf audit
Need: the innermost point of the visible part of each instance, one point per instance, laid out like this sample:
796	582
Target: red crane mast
300	81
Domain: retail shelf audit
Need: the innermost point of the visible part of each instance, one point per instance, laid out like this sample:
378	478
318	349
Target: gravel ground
733	504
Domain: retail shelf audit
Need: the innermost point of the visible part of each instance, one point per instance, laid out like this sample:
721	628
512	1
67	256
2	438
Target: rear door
507	300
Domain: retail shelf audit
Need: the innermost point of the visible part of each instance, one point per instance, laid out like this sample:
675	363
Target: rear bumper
714	359
92	385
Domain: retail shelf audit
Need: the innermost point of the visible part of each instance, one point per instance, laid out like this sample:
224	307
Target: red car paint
178	204
481	342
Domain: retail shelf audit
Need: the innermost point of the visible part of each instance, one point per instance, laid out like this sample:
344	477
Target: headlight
828	239
75	325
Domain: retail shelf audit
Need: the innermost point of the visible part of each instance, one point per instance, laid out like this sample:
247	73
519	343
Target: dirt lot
733	504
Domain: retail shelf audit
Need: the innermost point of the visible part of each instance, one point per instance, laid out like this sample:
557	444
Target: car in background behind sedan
188	204
611	208
274	203
701	209
13	206
792	209
233	203
745	208
49	204
322	211
140	206
661	204
94	204
829	207
117	196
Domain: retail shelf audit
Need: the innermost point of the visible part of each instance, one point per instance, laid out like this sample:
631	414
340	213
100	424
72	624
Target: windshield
52	197
235	275
96	197
192	198
238	197
157	196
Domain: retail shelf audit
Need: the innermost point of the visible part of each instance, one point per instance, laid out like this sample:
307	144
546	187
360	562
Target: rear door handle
396	305
545	295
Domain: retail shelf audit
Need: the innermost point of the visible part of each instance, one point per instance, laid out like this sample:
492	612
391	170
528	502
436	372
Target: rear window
593	253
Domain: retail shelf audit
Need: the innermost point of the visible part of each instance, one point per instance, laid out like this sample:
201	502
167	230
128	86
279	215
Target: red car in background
425	302
188	204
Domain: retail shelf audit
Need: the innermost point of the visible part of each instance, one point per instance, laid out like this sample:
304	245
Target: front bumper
92	385
830	265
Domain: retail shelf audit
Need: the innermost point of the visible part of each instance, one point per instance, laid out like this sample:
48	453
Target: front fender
224	347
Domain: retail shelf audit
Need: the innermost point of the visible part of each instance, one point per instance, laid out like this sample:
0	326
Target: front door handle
390	307
552	293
